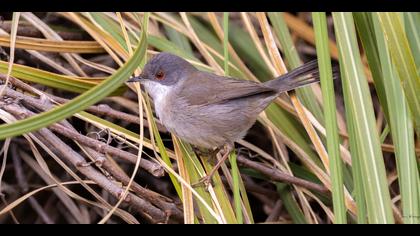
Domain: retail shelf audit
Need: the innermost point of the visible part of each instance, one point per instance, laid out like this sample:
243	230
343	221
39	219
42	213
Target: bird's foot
205	152
203	182
206	180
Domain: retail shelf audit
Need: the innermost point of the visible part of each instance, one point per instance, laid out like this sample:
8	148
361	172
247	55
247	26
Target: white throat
159	94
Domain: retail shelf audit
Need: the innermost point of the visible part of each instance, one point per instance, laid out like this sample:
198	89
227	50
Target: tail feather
301	76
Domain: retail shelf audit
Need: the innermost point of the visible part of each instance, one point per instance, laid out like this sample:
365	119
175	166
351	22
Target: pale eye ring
160	75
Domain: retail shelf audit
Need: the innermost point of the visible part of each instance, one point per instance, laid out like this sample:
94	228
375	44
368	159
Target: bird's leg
206	180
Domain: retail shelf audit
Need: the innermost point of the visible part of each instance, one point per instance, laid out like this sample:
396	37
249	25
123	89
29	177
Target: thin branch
161	201
28	30
23	184
276	175
275	212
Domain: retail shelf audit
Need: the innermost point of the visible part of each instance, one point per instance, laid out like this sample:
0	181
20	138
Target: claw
207	179
203	182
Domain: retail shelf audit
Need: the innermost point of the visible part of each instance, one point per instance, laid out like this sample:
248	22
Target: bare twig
250	186
20	84
158	200
152	168
276	175
49	205
275	213
29	31
40	211
23	184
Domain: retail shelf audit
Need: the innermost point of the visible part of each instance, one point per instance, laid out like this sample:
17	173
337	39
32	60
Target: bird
212	111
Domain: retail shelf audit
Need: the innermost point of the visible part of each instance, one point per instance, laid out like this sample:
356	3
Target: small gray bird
208	110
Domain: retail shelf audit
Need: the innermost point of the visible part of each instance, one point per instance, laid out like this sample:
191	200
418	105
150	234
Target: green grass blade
412	22
209	37
245	199
402	133
191	164
290	204
81	102
359	185
402	56
384	133
366	31
167	46
219	189
333	141
50	79
111	27
244	46
232	157
236	188
360	103
179	39
359	188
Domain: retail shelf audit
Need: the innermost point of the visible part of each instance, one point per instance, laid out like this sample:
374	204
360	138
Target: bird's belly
191	131
207	128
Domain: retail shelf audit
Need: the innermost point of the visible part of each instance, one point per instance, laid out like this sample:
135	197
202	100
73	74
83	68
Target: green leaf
333	141
53	80
290	204
402	132
359	102
402	57
179	39
364	25
412	22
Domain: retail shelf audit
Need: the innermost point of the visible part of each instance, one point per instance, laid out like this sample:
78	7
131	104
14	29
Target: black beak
135	79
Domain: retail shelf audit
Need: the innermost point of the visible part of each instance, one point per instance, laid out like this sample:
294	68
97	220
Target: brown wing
223	89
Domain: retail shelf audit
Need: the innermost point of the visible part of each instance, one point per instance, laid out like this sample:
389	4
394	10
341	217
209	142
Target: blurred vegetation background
80	146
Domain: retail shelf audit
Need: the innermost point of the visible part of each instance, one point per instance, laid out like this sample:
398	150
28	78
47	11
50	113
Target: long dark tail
306	74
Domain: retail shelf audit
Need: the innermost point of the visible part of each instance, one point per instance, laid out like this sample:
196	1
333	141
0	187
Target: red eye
160	75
